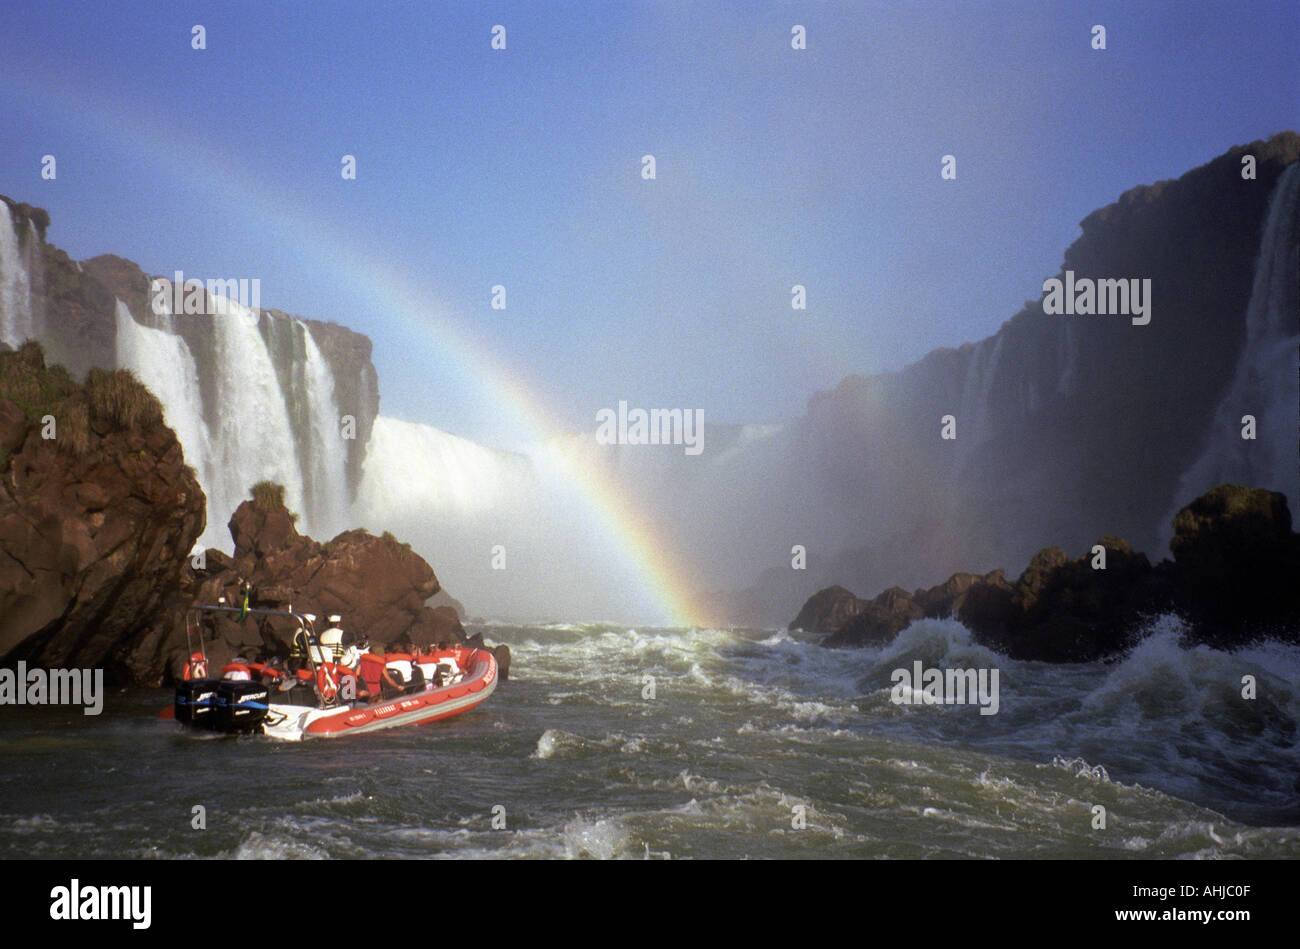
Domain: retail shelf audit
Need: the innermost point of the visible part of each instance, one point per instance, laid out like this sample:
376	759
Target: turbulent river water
738	744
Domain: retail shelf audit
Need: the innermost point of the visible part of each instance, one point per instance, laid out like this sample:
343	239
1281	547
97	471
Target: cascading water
1265	383
419	468
251	434
162	361
510	534
18	311
324	456
975	415
245	435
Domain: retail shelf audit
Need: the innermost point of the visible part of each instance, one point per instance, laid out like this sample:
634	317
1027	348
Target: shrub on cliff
394	544
42	391
25	380
119	398
268	497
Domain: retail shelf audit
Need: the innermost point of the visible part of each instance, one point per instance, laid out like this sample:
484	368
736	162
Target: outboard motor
196	702
241	705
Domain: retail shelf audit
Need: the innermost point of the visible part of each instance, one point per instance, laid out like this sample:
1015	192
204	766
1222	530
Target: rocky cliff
98	511
214	371
1061	422
347	353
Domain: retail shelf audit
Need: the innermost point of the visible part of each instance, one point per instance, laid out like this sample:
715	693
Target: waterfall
251	433
246	435
1265	382
510	535
163	362
18	314
324	456
34	264
975	418
420	469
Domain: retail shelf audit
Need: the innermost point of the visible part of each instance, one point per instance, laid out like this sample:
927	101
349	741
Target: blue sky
522	167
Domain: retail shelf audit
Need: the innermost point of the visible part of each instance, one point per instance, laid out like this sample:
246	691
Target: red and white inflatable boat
463	692
329	688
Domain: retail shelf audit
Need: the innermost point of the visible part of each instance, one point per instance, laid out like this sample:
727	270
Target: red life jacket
196	667
236	667
372	672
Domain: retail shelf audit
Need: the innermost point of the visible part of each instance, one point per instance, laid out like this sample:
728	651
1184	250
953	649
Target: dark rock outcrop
1236	567
947	598
1063	610
443	598
1232	579
95	521
827	611
878	621
377	584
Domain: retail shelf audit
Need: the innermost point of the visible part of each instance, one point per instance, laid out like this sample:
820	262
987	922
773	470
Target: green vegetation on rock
42	392
118	397
268	497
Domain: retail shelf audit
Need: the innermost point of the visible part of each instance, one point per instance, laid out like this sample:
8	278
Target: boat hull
297	722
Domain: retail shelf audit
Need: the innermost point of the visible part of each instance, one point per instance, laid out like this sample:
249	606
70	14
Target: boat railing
305	640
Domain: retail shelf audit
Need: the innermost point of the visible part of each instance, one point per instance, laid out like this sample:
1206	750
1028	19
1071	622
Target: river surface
610	742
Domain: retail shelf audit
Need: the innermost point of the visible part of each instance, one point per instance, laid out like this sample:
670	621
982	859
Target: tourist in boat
370	669
427	662
398	662
273	673
449	666
376	675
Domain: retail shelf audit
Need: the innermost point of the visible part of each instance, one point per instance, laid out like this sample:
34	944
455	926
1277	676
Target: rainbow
154	143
